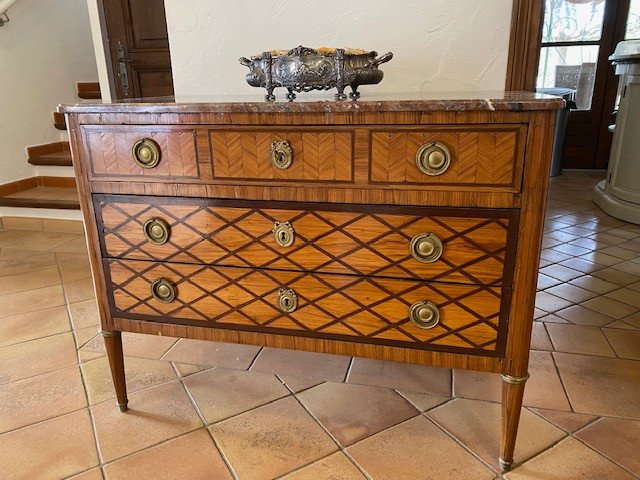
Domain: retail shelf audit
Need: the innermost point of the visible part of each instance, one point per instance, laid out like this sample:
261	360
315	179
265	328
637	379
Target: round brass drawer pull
433	158
284	233
424	314
163	290
281	154
287	300
156	230
146	153
426	247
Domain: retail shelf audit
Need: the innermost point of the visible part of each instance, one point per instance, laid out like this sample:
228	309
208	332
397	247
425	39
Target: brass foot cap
123	406
506	466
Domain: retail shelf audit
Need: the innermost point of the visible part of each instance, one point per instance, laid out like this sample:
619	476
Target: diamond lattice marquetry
202	232
329	306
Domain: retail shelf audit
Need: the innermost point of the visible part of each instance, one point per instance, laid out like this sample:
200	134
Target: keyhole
287	302
283	236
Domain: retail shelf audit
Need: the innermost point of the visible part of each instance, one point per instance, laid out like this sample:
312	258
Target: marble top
368	102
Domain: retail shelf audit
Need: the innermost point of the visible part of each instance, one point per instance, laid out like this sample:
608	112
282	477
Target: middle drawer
447	244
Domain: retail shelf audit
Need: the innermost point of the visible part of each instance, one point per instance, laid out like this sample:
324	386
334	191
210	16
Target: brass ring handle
287	300
146	153
424	314
156	230
433	158
163	290
281	154
284	234
426	247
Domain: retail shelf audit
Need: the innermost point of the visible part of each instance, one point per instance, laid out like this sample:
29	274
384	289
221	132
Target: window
569	55
633	21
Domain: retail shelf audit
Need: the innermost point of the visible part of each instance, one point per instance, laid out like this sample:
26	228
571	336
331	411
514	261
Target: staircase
53	189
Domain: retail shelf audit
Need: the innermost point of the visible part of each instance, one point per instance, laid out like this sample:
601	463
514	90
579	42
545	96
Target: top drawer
297	155
488	156
142	152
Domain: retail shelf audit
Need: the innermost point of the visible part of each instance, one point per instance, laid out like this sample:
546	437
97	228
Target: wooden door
578	36
139	48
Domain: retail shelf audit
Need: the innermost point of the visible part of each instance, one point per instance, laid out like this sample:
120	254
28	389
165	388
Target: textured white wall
439	45
44	50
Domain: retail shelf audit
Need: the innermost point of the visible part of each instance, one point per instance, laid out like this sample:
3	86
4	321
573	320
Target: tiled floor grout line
607	457
334	439
254	359
348	372
564	387
459	442
205	425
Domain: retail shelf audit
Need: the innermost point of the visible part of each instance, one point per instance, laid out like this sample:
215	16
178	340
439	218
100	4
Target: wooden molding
18	186
60	182
47	149
524	44
89	90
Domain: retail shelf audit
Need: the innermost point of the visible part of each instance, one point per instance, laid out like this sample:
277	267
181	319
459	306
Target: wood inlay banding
330	306
369	240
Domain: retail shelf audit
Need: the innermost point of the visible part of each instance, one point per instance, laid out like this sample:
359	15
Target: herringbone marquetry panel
332	306
484	157
317	156
110	152
360	243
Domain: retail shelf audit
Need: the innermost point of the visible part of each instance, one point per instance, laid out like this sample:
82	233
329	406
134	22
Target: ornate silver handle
281	154
424	314
433	158
287	300
426	247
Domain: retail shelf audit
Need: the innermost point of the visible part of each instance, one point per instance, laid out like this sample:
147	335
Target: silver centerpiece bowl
303	69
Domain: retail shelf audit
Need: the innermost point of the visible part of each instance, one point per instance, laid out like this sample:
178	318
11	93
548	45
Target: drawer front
315	156
476	244
480	156
148	153
343	307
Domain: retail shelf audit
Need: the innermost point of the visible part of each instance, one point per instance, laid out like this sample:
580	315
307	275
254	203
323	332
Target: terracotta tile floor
201	410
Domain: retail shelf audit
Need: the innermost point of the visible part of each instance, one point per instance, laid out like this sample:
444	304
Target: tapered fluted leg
512	392
113	344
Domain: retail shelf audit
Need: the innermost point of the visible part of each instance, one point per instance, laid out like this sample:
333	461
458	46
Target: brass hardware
433	158
146	153
281	154
287	300
426	247
424	314
504	465
284	233
514	380
123	406
107	333
156	230
163	290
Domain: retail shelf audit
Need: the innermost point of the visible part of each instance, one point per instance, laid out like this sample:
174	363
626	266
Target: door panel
139	45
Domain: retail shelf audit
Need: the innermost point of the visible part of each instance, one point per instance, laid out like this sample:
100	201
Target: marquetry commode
405	229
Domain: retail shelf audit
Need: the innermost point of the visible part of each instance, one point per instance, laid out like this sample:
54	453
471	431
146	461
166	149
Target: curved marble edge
503	101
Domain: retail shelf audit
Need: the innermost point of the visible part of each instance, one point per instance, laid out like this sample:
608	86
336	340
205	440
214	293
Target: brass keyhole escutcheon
281	154
156	231
163	290
146	153
426	247
284	234
424	314
433	158
287	300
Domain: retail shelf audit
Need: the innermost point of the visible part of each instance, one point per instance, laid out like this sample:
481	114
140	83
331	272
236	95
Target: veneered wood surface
369	240
317	155
110	152
480	155
367	309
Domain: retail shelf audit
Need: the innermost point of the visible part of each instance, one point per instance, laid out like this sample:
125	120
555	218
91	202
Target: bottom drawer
431	316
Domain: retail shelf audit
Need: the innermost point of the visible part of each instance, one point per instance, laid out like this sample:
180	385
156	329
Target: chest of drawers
399	229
